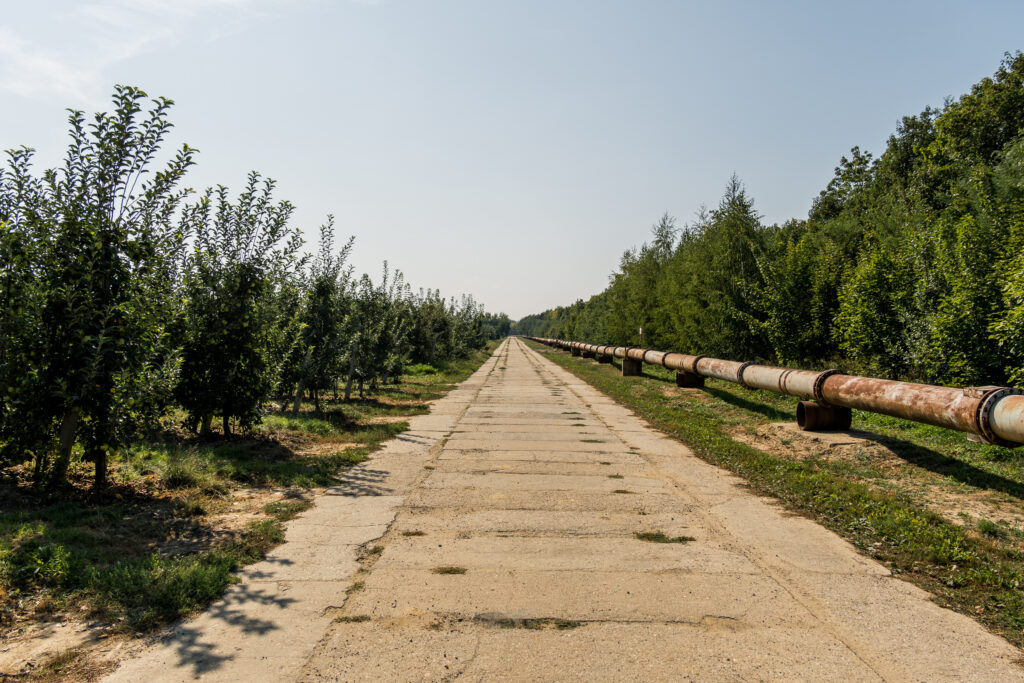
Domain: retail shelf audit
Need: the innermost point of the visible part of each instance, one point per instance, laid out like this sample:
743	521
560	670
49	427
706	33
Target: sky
509	149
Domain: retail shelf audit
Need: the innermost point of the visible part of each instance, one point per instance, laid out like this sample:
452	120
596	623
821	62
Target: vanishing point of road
497	540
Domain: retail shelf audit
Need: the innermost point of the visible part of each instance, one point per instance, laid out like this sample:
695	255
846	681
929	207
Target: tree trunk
227	425
305	368
207	426
351	371
361	395
316	402
40	469
99	456
68	432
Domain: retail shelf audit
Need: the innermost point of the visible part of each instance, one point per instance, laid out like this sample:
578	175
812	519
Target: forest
125	298
909	265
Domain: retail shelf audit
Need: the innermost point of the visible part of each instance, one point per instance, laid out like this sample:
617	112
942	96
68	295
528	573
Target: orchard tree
317	359
240	289
93	249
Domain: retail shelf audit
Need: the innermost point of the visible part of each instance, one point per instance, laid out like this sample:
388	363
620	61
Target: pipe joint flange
983	416
698	358
819	385
739	373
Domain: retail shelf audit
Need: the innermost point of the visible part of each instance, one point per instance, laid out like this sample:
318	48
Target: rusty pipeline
994	414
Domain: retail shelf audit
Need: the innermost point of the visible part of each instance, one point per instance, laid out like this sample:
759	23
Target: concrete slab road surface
498	542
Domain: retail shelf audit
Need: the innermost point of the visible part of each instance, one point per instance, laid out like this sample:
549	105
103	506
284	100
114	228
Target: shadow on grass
944	465
753	406
208	464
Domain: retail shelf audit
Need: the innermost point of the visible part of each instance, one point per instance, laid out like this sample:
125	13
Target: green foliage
91	253
236	324
118	298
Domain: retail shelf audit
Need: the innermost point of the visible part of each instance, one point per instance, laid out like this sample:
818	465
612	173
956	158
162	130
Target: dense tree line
122	296
909	265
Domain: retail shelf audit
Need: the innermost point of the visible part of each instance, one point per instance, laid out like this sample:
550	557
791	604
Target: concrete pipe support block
689	380
632	367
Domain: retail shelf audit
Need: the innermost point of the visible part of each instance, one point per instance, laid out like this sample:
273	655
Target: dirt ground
959	504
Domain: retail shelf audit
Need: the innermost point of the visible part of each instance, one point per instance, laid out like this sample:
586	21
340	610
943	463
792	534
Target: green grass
213	468
285	510
971	573
991	529
421	369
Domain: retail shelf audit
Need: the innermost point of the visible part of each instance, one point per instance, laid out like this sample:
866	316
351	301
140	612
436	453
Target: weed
621	491
284	510
414	533
449	570
592	440
615	476
351	619
991	529
535	624
58	665
659	537
194	505
355	587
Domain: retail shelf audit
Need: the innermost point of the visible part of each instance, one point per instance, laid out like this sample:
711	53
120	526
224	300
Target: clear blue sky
510	149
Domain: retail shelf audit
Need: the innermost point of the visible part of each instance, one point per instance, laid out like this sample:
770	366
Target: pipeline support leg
574	351
587	354
812	417
689	380
604	359
632	367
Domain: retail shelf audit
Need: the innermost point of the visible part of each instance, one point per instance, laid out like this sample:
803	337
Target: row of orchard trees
909	265
122	296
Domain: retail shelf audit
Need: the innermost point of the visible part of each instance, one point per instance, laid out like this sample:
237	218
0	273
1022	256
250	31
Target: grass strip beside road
974	573
182	514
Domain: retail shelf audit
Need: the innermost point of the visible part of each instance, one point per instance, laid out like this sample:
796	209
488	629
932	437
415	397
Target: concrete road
497	540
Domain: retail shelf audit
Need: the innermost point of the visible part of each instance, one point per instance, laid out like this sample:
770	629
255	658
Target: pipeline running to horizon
994	414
